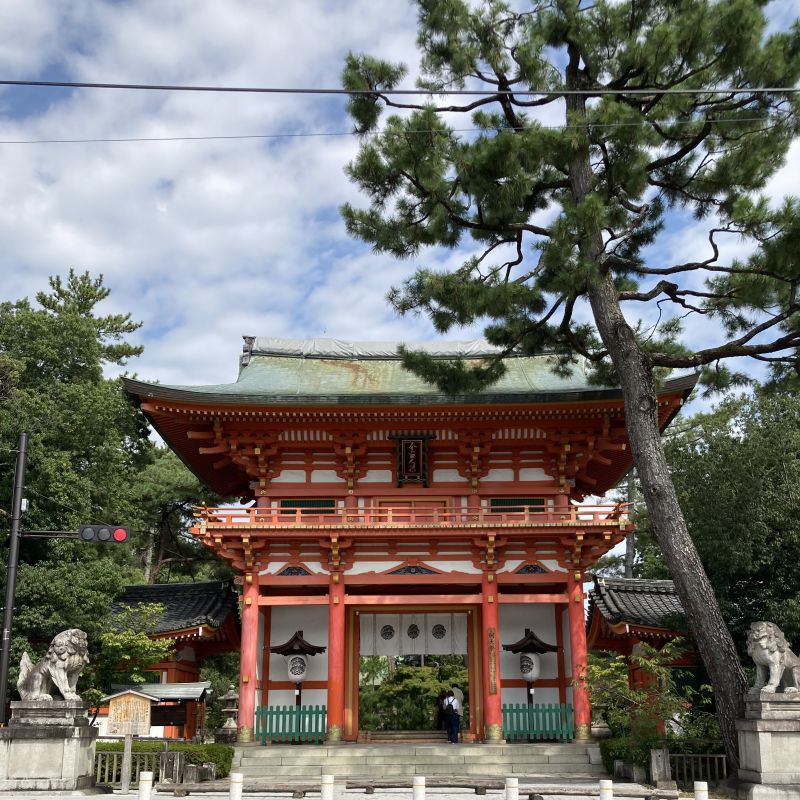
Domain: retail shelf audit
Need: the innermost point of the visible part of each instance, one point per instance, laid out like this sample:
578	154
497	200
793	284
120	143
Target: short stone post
606	790
127	764
660	771
700	790
236	785
145	785
326	787
418	787
512	788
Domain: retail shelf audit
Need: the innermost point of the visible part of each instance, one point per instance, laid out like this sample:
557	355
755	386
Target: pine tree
659	111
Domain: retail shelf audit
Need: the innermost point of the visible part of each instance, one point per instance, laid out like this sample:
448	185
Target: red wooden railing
402	516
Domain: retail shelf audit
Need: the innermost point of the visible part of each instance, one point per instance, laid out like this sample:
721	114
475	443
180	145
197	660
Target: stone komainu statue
61	666
776	664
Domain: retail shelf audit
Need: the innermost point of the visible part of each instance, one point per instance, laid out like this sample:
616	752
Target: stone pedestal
769	747
48	745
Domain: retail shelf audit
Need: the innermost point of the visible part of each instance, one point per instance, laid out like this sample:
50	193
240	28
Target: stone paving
621	790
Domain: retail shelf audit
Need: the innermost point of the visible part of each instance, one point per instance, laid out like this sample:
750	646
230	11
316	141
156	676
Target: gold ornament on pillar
492	643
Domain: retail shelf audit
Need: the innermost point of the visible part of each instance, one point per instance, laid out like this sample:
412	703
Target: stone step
388	749
371	761
433	770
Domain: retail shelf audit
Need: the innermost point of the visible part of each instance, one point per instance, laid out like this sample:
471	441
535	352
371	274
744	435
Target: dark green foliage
90	460
627	749
123	651
405	699
633	715
167	494
219	754
483	182
737	473
222	671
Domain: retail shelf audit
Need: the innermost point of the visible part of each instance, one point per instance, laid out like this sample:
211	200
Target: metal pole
11	573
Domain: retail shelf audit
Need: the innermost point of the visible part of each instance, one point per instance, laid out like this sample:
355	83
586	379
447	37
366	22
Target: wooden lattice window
308	505
516	504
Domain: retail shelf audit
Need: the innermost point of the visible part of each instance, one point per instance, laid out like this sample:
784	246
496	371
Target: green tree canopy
599	124
737	473
90	459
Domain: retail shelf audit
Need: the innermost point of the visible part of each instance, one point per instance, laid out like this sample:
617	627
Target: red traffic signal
117	534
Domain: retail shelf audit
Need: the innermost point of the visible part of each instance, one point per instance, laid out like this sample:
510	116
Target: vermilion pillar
336	659
490	650
578	658
249	660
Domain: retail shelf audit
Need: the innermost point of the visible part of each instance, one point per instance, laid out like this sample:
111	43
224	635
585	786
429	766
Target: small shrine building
380	516
624	613
202	619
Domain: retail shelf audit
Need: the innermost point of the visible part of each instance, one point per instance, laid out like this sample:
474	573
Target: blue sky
205	241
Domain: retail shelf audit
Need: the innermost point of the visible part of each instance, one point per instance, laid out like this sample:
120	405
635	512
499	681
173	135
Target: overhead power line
308	134
407	92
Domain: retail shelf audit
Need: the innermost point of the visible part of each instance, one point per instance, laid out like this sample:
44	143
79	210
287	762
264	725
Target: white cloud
205	240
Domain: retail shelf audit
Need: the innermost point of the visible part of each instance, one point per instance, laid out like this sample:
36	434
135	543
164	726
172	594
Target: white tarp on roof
338	348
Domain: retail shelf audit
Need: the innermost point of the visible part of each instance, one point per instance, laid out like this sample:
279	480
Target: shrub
632	750
221	755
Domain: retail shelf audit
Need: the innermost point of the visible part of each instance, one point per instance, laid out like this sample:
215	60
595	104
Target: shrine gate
381	516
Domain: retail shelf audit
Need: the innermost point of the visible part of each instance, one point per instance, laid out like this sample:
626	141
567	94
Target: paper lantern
530	665
297	667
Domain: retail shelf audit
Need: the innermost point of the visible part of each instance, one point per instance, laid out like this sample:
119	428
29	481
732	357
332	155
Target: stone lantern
230	708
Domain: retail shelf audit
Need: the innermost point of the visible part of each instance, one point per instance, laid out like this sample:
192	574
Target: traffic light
116	534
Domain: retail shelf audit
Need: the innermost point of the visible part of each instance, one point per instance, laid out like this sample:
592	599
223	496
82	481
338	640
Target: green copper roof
329	371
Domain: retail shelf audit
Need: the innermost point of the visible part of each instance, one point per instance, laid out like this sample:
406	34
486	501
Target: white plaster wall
448	476
313	621
377	476
454	566
359	568
260	647
325	476
290	476
567	652
533	474
499	475
310	697
515	695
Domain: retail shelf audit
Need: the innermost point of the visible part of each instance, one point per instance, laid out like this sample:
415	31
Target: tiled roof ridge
637	584
632	600
185	604
174	586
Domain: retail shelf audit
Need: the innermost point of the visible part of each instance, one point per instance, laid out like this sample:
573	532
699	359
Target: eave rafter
581	549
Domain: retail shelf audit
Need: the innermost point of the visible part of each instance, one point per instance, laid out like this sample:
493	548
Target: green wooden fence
291	724
538	722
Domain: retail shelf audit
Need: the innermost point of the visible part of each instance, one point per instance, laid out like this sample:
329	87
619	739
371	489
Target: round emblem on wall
387	632
413	631
438	631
